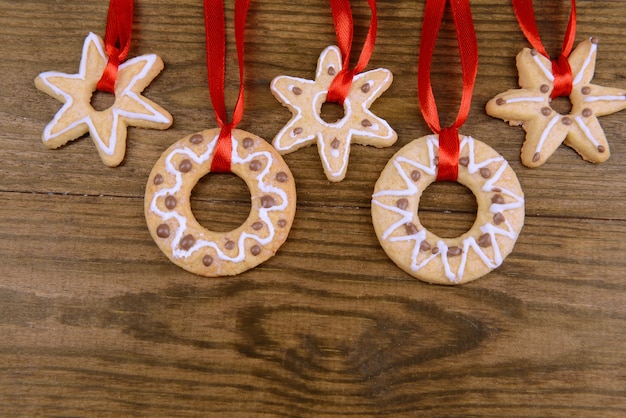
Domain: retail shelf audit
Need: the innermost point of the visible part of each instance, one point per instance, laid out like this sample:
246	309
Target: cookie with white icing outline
304	98
107	127
192	246
426	256
545	128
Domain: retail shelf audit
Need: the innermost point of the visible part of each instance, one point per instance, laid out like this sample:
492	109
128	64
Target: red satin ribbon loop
116	41
468	46
563	77
216	66
344	28
448	169
560	67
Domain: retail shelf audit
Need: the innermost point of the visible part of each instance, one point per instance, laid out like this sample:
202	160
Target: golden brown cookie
530	107
304	98
193	247
424	255
107	127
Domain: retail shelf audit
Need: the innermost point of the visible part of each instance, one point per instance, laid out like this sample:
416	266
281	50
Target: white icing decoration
585	129
469	242
525	99
591	99
153	116
580	74
545	133
547	72
182	221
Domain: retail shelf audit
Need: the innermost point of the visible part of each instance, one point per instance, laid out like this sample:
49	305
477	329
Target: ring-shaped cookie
192	246
426	256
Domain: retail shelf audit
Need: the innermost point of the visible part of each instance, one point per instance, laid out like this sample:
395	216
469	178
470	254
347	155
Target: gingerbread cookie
545	128
304	98
208	253
108	127
424	255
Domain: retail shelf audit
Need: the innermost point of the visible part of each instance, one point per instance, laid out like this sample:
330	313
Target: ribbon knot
562	73
449	149
222	155
107	80
116	41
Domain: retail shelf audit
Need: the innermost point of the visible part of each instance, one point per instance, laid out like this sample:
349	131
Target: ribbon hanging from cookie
336	82
216	67
447	155
466	38
104	67
541	80
561	69
226	149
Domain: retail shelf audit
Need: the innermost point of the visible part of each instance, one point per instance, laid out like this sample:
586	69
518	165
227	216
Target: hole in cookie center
332	112
562	105
221	202
447	209
102	100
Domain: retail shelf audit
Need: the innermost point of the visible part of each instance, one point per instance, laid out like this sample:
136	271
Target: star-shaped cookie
107	127
545	128
304	98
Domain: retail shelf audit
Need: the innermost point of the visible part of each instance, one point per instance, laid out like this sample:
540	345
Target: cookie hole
562	105
221	202
332	112
447	209
102	100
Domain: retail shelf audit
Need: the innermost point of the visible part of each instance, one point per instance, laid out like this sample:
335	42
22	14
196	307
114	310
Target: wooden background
94	320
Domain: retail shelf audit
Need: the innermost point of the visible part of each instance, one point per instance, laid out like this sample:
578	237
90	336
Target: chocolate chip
207	260
454	251
170	202
281	177
485	172
601	148
366	123
536	157
196	139
402	204
545	111
566	121
255	165
544	88
335	144
187	242
435	250
229	245
365	87
500	101
594	40
498	199
585	90
248	142
255	250
163	231
415	175
158	179
410	228
424	246
297	131
484	240
257	225
331	70
296	90
587	112
533	52
498	218
185	166
464	161
282	223
268	201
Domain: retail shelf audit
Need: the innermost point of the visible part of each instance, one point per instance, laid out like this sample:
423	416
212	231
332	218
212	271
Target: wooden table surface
94	319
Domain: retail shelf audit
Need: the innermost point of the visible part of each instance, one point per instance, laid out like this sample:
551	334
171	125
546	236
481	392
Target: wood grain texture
95	321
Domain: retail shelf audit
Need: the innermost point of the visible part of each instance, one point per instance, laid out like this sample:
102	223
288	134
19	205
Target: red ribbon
216	66
560	66
344	28
116	41
466	37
